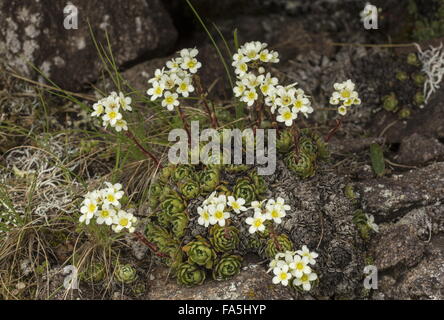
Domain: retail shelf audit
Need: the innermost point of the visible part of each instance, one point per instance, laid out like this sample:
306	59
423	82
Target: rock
392	197
34	32
424	281
417	149
396	247
253	283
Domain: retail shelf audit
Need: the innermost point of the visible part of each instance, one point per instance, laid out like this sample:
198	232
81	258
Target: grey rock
417	149
34	32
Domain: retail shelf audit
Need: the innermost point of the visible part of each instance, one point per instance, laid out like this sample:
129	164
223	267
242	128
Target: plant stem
332	132
185	123
296	135
130	135
201	93
150	245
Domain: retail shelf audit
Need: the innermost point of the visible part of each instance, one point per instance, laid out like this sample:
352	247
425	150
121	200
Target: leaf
377	158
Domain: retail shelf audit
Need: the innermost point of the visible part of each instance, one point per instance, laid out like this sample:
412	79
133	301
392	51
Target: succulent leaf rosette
227	267
285	142
189	274
224	239
183	172
276	244
125	273
189	189
200	252
209	179
302	164
244	189
173	205
95	272
179	223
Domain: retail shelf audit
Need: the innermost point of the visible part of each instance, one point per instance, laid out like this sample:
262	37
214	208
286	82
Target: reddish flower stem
150	245
130	135
332	132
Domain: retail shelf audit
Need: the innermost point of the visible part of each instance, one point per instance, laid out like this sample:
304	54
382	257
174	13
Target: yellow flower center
300	266
304	278
275	213
263	56
219	215
257	223
286	100
235	205
298	104
243	67
104	213
111	198
92	207
112	115
287	115
251	95
283	276
205	215
169	100
158	91
183	86
346	94
123	222
251	54
191	64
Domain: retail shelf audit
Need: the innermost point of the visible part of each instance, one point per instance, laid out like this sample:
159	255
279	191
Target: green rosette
285	142
164	218
179	224
175	255
166	173
276	244
156	191
227	267
209	179
172	205
200	253
260	186
224	239
125	273
94	272
189	275
301	164
245	189
159	236
189	189
183	172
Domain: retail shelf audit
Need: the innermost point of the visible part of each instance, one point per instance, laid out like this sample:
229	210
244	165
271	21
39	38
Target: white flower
112	197
256	222
251	50
174	64
156	91
191	64
158	74
265	56
111	102
274	213
299	266
170	100
218	214
99	109
285	96
257	206
121	125
204	216
239	89
251	81
241	68
124	220
125	102
106	215
281	275
210	198
189	53
111	116
249	97
371	222
342	110
311	256
286	115
88	210
237	204
305	280
184	87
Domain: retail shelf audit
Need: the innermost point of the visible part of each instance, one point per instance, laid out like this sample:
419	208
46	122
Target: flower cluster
104	205
271	209
345	96
216	209
109	109
371	222
175	80
295	267
252	81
